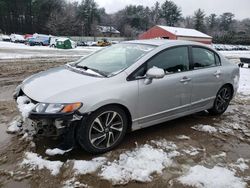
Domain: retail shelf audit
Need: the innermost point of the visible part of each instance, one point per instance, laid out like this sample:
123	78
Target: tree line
65	18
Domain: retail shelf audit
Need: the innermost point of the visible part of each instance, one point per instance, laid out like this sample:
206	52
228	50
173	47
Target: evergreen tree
170	12
199	18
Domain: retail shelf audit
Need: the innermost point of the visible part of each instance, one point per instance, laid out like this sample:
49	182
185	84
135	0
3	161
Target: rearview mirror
154	73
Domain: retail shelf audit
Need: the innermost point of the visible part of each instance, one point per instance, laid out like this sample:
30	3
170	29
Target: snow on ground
202	177
73	183
136	165
204	128
10	50
241	164
142	164
192	151
10	45
25	106
34	161
86	167
14	127
244	83
56	151
183	137
235	54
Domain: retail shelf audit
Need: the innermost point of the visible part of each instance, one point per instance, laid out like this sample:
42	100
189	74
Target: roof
107	29
62	39
178	31
160	42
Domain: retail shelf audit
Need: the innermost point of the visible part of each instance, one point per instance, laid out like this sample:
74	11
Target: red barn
176	33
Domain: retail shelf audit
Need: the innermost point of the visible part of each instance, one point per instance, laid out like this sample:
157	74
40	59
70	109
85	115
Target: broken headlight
56	108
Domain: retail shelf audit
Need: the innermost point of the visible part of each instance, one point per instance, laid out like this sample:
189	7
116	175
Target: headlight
56	108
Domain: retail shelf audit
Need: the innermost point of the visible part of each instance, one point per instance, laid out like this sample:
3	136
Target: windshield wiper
95	70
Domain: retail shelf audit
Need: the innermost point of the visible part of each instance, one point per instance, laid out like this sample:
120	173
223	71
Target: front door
170	95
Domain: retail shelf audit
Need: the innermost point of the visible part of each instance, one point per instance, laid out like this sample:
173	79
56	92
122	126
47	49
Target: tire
102	130
222	100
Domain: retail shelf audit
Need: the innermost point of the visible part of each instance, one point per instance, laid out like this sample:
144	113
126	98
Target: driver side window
172	60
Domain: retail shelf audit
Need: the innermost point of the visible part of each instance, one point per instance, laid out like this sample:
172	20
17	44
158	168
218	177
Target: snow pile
137	165
87	167
14	127
202	177
244	86
25	106
167	146
37	162
56	151
241	164
204	128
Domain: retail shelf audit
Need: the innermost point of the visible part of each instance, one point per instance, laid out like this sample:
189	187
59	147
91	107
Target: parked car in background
65	43
103	42
82	43
91	43
17	38
26	36
52	41
129	86
39	40
5	38
227	47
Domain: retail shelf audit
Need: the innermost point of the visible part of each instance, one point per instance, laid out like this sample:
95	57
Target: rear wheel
222	100
103	130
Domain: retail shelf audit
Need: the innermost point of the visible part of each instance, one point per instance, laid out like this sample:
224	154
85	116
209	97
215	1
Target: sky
241	8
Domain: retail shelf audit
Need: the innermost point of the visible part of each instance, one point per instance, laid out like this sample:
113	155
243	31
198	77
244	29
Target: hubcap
106	129
223	99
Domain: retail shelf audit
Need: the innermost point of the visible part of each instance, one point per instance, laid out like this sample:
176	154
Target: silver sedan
128	86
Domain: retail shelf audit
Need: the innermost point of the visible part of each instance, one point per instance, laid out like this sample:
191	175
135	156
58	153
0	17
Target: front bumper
49	125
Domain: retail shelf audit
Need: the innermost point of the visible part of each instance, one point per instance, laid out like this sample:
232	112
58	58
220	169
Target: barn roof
178	31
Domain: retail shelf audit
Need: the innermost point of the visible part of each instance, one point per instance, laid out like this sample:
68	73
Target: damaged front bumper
52	125
47	124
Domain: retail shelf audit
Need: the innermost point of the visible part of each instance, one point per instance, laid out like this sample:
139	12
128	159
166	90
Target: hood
58	85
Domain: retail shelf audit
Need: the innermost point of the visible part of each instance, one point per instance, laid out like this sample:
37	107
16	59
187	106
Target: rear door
206	77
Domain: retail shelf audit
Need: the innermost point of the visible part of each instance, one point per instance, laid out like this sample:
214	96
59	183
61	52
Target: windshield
116	58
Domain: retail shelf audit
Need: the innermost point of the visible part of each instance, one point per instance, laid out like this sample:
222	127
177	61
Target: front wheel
103	130
222	100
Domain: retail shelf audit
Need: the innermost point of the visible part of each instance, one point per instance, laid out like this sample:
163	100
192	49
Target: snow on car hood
59	85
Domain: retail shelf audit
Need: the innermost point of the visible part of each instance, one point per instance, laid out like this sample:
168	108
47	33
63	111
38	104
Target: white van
53	41
17	38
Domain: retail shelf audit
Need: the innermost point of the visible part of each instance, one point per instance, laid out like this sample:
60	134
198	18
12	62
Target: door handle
185	79
217	73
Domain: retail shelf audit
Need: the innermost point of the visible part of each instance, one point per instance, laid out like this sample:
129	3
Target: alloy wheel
223	99
106	130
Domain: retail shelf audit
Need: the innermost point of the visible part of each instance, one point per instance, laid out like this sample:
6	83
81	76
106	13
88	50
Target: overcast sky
241	8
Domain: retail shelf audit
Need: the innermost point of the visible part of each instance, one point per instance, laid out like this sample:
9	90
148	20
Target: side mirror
154	73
